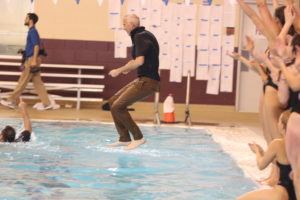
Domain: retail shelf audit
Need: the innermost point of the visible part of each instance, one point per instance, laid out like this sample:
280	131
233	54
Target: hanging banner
189	39
207	2
215	53
114	14
145	14
229	15
227	64
155	12
187	2
100	2
165	44
31	6
143	2
55	1
166	2
203	42
134	7
176	44
122	41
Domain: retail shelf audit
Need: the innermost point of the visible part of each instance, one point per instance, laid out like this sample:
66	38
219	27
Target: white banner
202	63
176	44
31	7
227	64
100	2
229	14
165	44
156	9
145	14
189	39
215	54
122	41
203	43
133	7
114	14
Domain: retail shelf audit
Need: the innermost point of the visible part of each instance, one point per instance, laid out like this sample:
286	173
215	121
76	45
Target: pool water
71	161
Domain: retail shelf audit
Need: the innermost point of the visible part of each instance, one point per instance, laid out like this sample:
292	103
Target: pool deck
232	130
200	114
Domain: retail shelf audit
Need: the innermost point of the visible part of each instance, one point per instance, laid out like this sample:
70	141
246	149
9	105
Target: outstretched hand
249	44
289	13
256	148
114	73
233	55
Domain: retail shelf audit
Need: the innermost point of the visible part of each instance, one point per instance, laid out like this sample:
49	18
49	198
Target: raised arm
283	92
260	57
275	4
257	21
25	116
242	59
267	17
292	79
296	22
253	65
289	15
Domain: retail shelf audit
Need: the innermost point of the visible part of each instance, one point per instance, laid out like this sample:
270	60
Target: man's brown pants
136	90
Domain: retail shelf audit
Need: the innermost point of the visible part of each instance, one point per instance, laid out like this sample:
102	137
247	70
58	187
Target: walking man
31	69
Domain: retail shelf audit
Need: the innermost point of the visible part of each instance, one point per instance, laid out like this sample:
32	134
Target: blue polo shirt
33	39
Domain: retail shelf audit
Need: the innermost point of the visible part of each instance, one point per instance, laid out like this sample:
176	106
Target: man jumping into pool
145	52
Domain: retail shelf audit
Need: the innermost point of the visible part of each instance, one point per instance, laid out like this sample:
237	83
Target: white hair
132	19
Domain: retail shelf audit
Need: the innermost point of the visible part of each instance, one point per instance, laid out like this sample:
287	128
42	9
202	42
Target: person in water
8	134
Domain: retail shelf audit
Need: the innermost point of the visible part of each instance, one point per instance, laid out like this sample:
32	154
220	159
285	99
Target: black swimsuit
294	102
269	81
285	181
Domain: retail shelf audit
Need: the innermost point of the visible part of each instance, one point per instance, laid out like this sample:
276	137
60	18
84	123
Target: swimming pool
71	161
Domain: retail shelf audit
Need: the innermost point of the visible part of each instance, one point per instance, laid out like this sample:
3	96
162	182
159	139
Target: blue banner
207	2
165	1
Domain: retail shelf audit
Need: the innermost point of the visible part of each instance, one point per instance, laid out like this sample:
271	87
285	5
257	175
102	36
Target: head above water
130	22
8	134
24	137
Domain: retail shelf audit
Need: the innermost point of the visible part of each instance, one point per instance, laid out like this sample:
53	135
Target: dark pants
136	90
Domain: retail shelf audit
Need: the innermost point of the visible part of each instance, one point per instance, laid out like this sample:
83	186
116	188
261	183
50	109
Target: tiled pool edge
234	141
